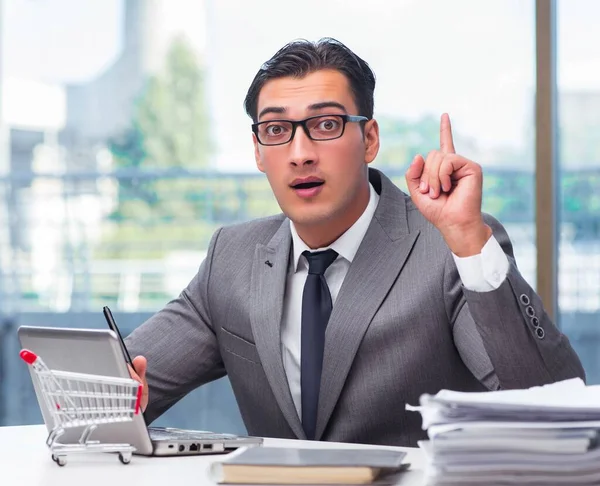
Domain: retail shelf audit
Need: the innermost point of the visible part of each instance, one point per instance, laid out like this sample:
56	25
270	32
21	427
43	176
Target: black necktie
316	309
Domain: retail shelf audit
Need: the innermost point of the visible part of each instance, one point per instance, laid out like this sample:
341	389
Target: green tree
170	121
402	139
169	130
171	113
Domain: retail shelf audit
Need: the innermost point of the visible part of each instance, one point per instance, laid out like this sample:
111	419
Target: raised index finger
446	142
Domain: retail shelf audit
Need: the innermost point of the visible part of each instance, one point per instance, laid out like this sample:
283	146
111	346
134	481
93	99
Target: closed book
275	465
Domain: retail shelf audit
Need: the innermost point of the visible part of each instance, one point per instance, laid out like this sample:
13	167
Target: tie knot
319	261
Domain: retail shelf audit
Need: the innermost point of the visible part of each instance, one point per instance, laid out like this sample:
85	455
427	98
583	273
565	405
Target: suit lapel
269	273
380	258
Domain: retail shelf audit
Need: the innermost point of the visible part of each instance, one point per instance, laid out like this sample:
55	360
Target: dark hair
302	57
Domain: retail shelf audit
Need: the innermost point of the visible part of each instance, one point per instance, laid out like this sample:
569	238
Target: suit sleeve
179	344
504	335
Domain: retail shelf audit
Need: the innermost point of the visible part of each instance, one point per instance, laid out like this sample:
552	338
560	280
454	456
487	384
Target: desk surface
25	461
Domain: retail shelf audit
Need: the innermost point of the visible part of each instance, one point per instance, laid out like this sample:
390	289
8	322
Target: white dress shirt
480	273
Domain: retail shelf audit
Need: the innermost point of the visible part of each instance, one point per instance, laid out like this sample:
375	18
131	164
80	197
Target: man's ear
257	154
371	130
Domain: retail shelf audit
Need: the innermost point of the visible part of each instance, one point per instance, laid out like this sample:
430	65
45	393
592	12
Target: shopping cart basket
84	400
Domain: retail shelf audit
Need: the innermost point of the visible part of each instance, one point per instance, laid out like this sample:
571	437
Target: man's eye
328	125
275	130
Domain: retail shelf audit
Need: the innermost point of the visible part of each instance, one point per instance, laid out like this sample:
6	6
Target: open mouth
308	185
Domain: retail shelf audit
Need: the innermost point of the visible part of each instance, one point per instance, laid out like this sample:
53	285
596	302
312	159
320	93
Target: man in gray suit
356	300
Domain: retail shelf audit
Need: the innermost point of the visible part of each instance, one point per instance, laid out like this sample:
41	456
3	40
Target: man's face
316	182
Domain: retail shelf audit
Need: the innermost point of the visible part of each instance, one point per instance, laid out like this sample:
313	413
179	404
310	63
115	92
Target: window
128	145
578	77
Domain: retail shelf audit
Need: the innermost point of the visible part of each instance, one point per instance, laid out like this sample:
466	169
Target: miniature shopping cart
83	400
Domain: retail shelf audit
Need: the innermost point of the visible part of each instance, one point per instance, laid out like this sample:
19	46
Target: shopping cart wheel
125	457
60	460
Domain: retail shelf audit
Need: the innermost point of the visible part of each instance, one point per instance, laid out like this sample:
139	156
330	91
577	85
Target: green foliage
171	113
169	130
509	195
401	140
133	241
170	122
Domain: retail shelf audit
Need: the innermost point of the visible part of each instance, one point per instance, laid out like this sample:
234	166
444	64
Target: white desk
25	460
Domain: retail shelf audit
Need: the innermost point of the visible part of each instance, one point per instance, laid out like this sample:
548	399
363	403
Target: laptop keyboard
181	434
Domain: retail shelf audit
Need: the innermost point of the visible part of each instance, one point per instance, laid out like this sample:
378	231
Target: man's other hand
140	364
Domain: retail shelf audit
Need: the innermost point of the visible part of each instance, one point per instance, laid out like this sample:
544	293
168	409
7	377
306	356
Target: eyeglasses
319	128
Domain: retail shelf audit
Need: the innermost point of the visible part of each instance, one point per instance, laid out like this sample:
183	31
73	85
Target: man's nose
302	149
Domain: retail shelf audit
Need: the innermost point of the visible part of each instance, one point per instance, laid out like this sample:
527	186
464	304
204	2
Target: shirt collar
346	245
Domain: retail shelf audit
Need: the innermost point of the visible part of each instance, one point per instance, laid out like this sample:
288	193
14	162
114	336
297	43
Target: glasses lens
274	132
325	127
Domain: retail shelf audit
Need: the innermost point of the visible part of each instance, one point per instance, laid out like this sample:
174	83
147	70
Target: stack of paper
542	435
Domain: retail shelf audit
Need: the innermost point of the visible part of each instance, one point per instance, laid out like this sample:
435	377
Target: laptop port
193	447
207	447
181	448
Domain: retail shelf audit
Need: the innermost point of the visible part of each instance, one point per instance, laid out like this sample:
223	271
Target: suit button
535	322
530	311
540	332
524	299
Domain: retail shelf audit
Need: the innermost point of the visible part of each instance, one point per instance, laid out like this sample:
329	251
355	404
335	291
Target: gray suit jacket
402	325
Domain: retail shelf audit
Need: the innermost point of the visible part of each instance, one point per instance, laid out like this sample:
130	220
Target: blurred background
124	145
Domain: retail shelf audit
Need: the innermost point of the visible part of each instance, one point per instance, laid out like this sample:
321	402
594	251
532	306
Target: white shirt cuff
486	271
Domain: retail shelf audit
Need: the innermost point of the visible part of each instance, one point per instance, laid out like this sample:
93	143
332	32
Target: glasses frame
302	123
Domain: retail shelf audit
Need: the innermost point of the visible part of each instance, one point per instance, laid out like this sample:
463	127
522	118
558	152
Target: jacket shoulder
248	234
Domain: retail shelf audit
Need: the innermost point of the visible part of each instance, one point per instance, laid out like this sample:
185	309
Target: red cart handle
28	356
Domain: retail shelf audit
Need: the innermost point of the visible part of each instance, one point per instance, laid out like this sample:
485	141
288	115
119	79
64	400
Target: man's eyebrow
279	110
327	104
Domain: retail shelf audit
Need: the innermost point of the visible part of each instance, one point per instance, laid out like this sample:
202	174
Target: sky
59	41
470	58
